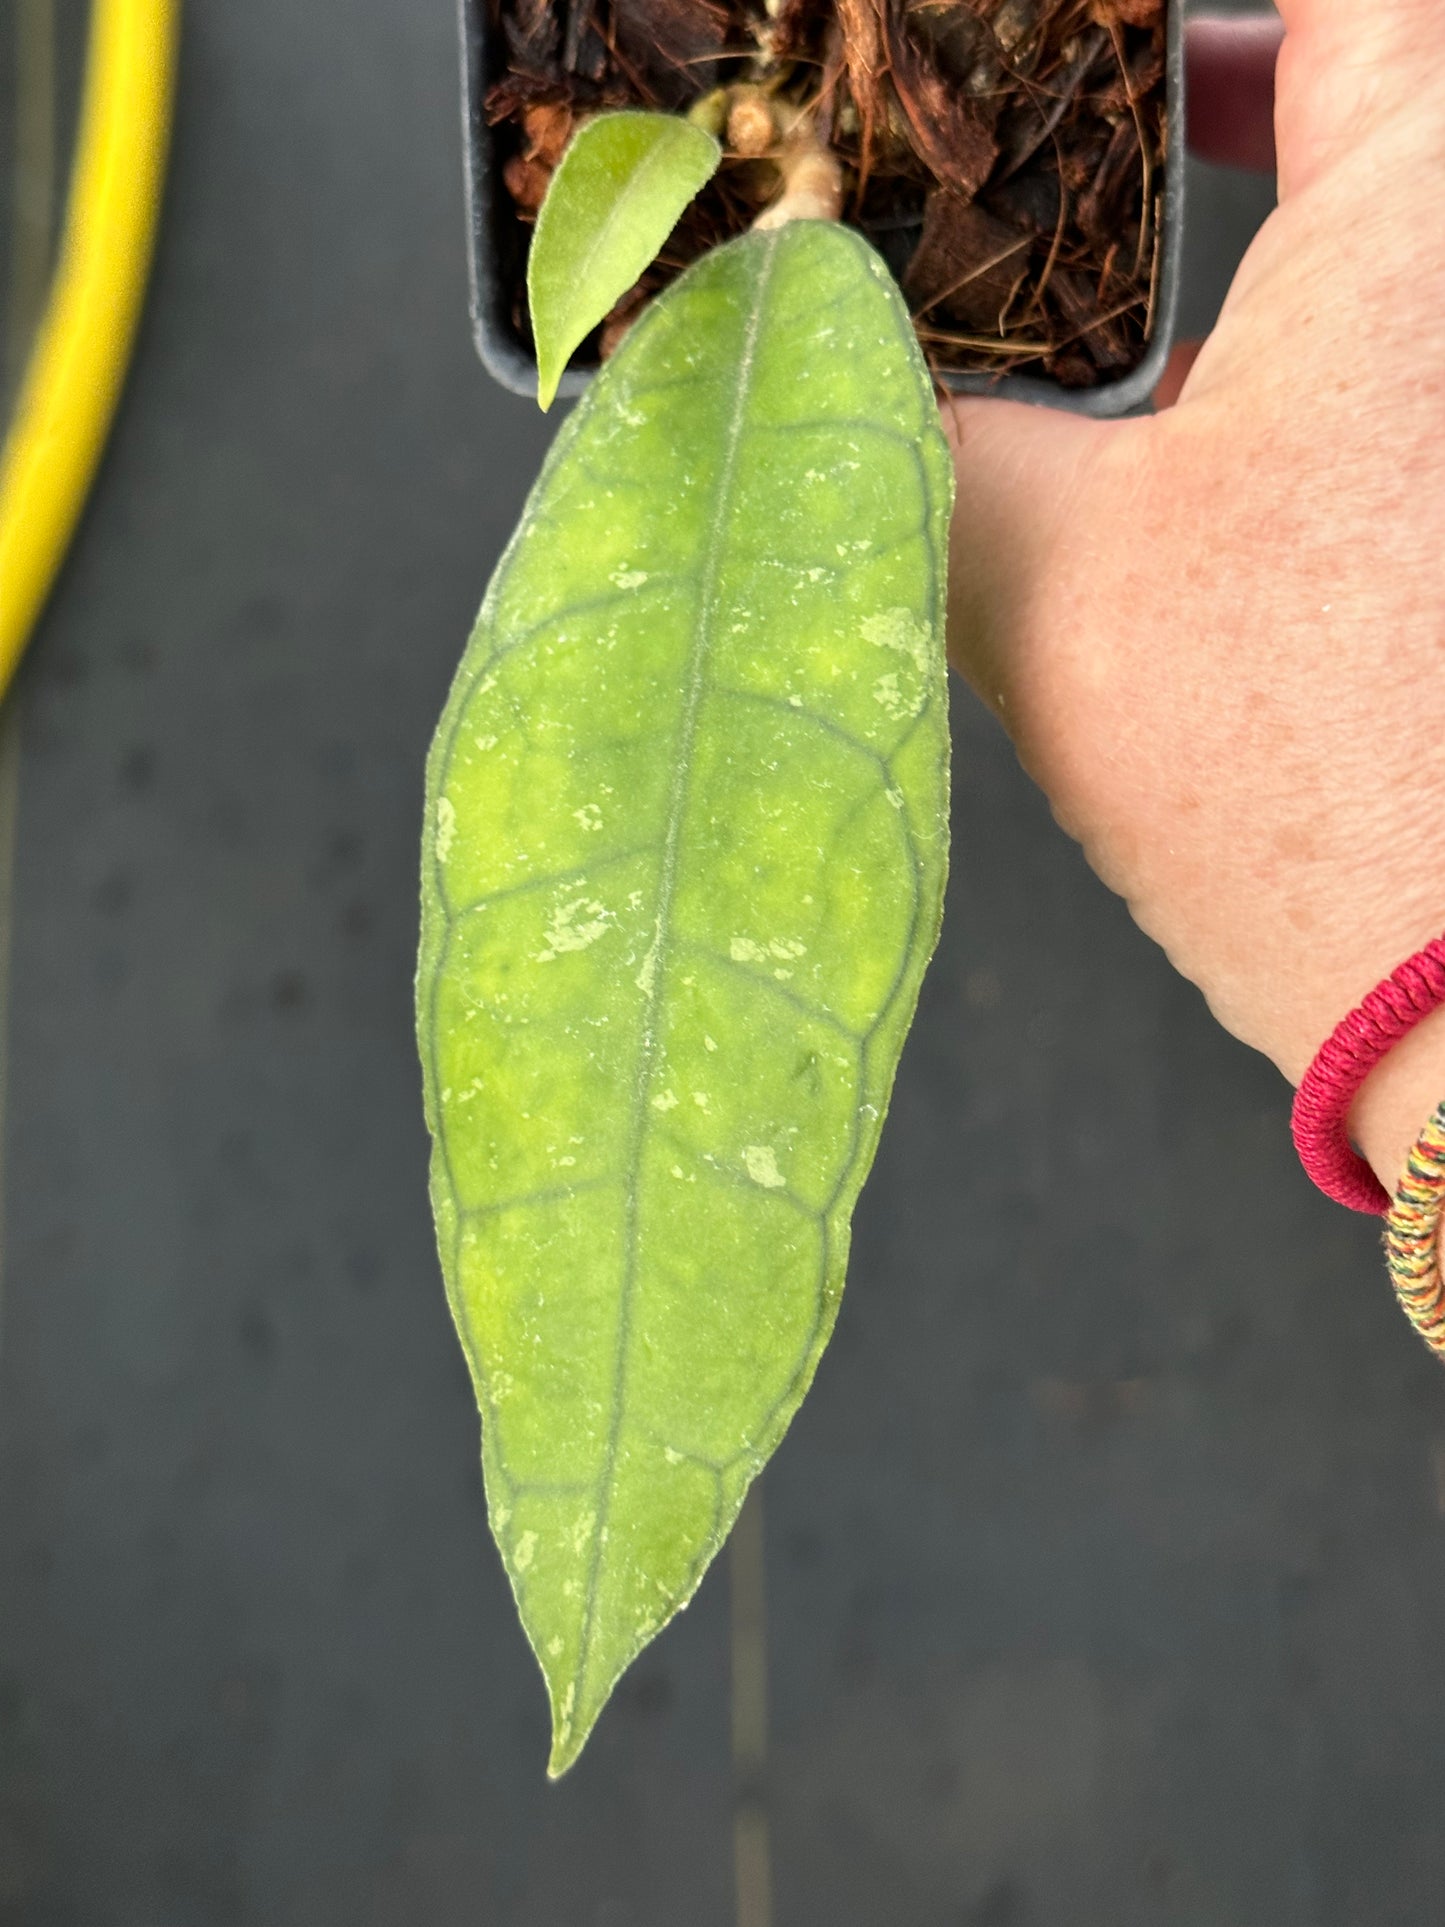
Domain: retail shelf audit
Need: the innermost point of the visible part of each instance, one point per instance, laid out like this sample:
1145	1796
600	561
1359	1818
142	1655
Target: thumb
1346	71
1023	476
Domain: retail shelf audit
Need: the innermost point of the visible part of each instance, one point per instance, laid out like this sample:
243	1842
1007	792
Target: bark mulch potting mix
1006	157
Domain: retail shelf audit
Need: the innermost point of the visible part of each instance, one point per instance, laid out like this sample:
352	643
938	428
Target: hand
1217	635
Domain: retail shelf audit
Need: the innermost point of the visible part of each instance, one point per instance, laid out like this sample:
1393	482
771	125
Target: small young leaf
685	845
615	198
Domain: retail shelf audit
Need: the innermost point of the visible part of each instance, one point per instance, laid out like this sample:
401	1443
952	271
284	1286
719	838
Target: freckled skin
1217	636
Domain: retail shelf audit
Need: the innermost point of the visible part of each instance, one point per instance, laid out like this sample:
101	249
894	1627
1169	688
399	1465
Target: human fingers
1346	70
1021	471
1294	317
1018	468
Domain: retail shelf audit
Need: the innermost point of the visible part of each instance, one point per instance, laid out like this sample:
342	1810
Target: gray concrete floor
1106	1560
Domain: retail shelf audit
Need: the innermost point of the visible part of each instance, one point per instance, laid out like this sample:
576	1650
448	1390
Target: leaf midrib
647	1056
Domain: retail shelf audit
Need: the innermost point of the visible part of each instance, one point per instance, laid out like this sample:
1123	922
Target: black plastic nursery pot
495	246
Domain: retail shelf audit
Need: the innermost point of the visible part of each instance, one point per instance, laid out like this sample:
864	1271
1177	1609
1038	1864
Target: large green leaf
684	858
615	198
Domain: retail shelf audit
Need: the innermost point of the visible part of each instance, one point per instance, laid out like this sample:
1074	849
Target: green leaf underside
615	198
684	857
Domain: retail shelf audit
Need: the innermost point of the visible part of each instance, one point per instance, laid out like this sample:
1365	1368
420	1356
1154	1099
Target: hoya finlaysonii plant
685	845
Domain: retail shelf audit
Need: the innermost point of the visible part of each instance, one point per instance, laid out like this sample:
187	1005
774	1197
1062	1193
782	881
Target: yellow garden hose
75	373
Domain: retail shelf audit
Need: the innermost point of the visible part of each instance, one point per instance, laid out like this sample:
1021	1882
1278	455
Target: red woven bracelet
1322	1102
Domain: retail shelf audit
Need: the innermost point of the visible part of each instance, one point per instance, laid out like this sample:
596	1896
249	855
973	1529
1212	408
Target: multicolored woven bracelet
1322	1103
1412	1235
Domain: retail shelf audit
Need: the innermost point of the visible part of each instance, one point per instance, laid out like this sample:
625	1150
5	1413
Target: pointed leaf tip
616	196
